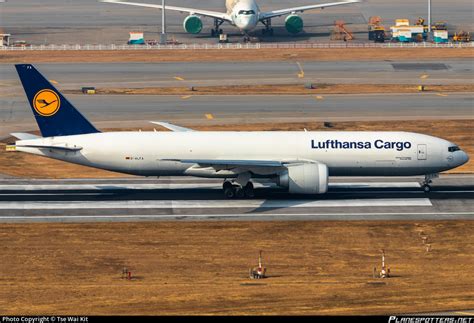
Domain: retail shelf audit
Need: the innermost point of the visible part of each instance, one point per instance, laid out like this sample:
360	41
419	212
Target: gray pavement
86	21
110	111
135	199
73	76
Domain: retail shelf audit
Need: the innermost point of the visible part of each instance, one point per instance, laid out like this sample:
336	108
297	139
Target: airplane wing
230	163
281	12
255	166
171	126
207	13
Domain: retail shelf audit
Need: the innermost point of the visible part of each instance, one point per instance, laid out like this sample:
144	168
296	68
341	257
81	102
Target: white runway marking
191	204
283	216
40	187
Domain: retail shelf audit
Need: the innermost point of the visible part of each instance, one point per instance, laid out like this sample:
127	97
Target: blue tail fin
53	112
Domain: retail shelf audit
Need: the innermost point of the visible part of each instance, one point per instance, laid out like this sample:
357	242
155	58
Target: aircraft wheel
426	188
213	33
221	31
229	192
239	193
227	185
249	191
271	32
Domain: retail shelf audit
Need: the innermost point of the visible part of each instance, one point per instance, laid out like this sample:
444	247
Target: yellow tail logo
46	102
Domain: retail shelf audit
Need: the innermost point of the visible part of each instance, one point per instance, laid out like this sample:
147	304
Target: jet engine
192	24
305	178
294	24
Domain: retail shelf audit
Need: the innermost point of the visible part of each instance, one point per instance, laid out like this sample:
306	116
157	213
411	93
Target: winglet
171	126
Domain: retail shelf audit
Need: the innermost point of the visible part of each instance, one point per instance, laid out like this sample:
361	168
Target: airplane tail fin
55	115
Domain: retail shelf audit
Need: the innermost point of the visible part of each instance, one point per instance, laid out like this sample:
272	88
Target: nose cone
462	158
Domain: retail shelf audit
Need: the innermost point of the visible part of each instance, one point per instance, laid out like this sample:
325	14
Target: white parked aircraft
299	161
244	14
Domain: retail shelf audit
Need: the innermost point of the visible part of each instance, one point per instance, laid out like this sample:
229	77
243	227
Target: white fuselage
344	153
244	14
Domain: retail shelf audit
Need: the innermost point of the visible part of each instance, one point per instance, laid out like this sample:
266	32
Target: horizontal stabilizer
171	126
63	147
24	135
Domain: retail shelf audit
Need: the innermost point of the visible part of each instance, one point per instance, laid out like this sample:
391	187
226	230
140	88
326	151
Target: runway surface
86	21
171	198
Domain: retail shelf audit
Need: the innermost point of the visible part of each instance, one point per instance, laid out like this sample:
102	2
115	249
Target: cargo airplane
298	161
244	14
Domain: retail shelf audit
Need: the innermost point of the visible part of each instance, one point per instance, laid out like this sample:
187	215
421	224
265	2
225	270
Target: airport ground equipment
439	25
299	162
136	38
223	38
440	36
341	32
420	22
88	90
259	271
376	30
462	37
409	33
5	40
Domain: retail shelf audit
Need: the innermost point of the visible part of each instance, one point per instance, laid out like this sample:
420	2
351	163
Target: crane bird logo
46	102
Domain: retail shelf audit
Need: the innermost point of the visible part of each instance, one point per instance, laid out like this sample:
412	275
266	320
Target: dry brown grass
458	131
202	268
236	55
285	89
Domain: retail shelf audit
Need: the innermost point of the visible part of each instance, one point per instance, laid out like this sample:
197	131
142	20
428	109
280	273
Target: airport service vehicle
299	161
244	14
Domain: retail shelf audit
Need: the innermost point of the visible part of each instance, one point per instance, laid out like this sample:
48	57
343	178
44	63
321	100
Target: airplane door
422	152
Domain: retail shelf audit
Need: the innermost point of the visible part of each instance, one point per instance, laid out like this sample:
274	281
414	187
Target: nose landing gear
233	190
425	185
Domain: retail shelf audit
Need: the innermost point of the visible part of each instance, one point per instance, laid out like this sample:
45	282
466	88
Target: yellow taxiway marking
185	97
178	78
424	76
319	97
209	116
54	82
441	94
301	73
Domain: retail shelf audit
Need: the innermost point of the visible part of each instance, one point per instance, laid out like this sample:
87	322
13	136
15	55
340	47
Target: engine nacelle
294	24
305	179
192	24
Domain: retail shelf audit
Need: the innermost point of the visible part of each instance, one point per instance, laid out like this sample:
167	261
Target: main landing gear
234	190
425	185
216	31
268	27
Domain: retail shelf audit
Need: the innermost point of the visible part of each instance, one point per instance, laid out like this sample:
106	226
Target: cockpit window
453	148
246	12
